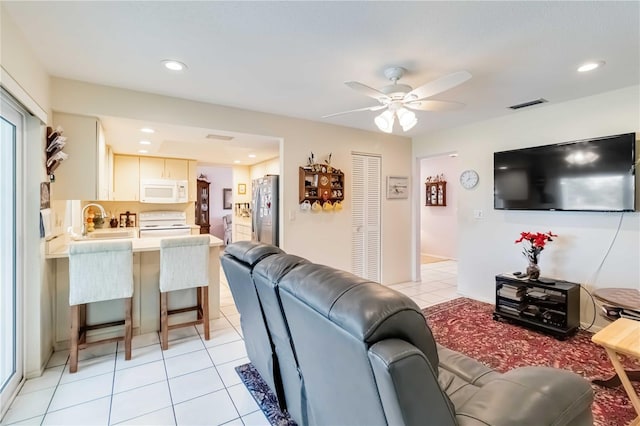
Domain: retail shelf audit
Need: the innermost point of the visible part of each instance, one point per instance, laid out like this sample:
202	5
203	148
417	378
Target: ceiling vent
219	137
528	104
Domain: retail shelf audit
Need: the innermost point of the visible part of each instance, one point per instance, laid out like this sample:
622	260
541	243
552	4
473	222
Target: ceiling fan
396	98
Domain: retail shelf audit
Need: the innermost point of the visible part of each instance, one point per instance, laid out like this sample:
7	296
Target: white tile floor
191	383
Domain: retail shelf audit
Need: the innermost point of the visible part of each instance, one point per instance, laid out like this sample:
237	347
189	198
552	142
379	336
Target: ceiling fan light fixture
385	121
407	119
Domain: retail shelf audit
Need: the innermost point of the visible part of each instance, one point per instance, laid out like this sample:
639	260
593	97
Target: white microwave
164	191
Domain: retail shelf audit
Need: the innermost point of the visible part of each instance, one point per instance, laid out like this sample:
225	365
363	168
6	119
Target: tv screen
588	175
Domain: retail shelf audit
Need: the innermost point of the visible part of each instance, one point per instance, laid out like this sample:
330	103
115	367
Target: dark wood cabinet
549	306
321	186
436	194
202	206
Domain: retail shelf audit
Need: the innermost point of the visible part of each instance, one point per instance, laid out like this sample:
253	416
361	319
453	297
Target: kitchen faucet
84	209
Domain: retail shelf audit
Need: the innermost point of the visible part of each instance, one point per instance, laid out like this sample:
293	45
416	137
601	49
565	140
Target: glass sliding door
11	360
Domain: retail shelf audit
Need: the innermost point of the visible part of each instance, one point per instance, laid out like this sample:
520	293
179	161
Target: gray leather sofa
354	352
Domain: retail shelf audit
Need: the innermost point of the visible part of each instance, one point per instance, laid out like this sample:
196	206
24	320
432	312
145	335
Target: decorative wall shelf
436	194
321	183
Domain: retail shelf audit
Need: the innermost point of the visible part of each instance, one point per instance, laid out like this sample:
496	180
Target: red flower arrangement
537	242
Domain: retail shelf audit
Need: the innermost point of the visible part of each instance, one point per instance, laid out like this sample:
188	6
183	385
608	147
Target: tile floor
194	382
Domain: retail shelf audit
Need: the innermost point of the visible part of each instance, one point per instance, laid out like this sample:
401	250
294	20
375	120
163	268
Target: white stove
163	224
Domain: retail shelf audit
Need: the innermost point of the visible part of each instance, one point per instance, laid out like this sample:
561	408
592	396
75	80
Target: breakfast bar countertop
60	249
146	294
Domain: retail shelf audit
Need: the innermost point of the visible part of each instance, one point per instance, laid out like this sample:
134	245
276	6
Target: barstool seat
99	271
184	264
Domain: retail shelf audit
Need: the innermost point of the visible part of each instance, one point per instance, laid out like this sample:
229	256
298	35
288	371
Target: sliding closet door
11	331
365	216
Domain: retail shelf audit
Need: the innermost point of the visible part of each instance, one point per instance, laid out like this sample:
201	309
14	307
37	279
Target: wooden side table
622	337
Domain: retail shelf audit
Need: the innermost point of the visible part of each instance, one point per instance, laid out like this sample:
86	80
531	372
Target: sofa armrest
468	369
408	385
530	396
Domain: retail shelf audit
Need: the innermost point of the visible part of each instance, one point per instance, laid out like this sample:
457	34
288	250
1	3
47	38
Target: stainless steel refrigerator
264	215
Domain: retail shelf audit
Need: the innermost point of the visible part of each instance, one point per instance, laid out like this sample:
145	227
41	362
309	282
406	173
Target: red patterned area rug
467	326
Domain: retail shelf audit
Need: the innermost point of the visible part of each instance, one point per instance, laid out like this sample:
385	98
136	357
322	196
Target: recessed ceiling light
174	65
236	161
142	151
145	142
455	154
252	156
590	66
147	130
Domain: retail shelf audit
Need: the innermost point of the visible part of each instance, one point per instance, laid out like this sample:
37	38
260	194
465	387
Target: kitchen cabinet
193	173
85	174
242	229
164	168
126	178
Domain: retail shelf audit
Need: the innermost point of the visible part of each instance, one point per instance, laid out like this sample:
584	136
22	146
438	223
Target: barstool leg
205	311
164	322
128	328
73	352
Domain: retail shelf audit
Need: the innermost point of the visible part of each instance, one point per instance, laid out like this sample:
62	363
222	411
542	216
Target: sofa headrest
250	252
273	268
367	310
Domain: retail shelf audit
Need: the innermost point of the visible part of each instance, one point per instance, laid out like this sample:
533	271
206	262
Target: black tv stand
546	305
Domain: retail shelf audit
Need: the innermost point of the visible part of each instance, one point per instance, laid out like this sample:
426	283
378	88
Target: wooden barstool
99	271
184	264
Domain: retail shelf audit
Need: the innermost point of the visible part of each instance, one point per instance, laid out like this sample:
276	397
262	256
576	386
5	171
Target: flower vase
533	271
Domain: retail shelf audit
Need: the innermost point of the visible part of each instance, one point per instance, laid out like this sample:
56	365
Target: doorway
12	123
437	250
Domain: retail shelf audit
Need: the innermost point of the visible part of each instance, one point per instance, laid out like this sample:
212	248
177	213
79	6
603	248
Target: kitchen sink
111	234
108	234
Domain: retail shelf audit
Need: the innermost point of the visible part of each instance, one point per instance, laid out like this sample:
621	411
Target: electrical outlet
478	214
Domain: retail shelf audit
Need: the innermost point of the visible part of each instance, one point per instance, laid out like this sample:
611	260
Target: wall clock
469	179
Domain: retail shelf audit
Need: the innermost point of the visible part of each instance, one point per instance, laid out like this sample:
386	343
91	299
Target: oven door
163	232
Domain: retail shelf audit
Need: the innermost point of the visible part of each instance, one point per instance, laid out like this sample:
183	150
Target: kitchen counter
61	249
146	293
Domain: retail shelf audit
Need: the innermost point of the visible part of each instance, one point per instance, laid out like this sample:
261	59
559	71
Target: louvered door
365	219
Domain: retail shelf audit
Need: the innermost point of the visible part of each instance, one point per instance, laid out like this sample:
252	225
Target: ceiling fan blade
368	91
437	86
428	105
373	108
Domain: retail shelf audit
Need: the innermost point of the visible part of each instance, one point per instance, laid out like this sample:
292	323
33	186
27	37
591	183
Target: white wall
320	238
439	225
486	247
268	167
26	79
220	178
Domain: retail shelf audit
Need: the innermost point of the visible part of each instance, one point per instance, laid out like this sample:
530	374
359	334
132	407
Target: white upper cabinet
193	164
126	178
163	168
85	175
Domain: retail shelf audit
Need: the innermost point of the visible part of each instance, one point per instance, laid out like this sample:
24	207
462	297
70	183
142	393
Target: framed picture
226	198
242	188
128	220
397	187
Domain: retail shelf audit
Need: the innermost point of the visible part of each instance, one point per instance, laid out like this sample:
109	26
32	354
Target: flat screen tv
588	175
